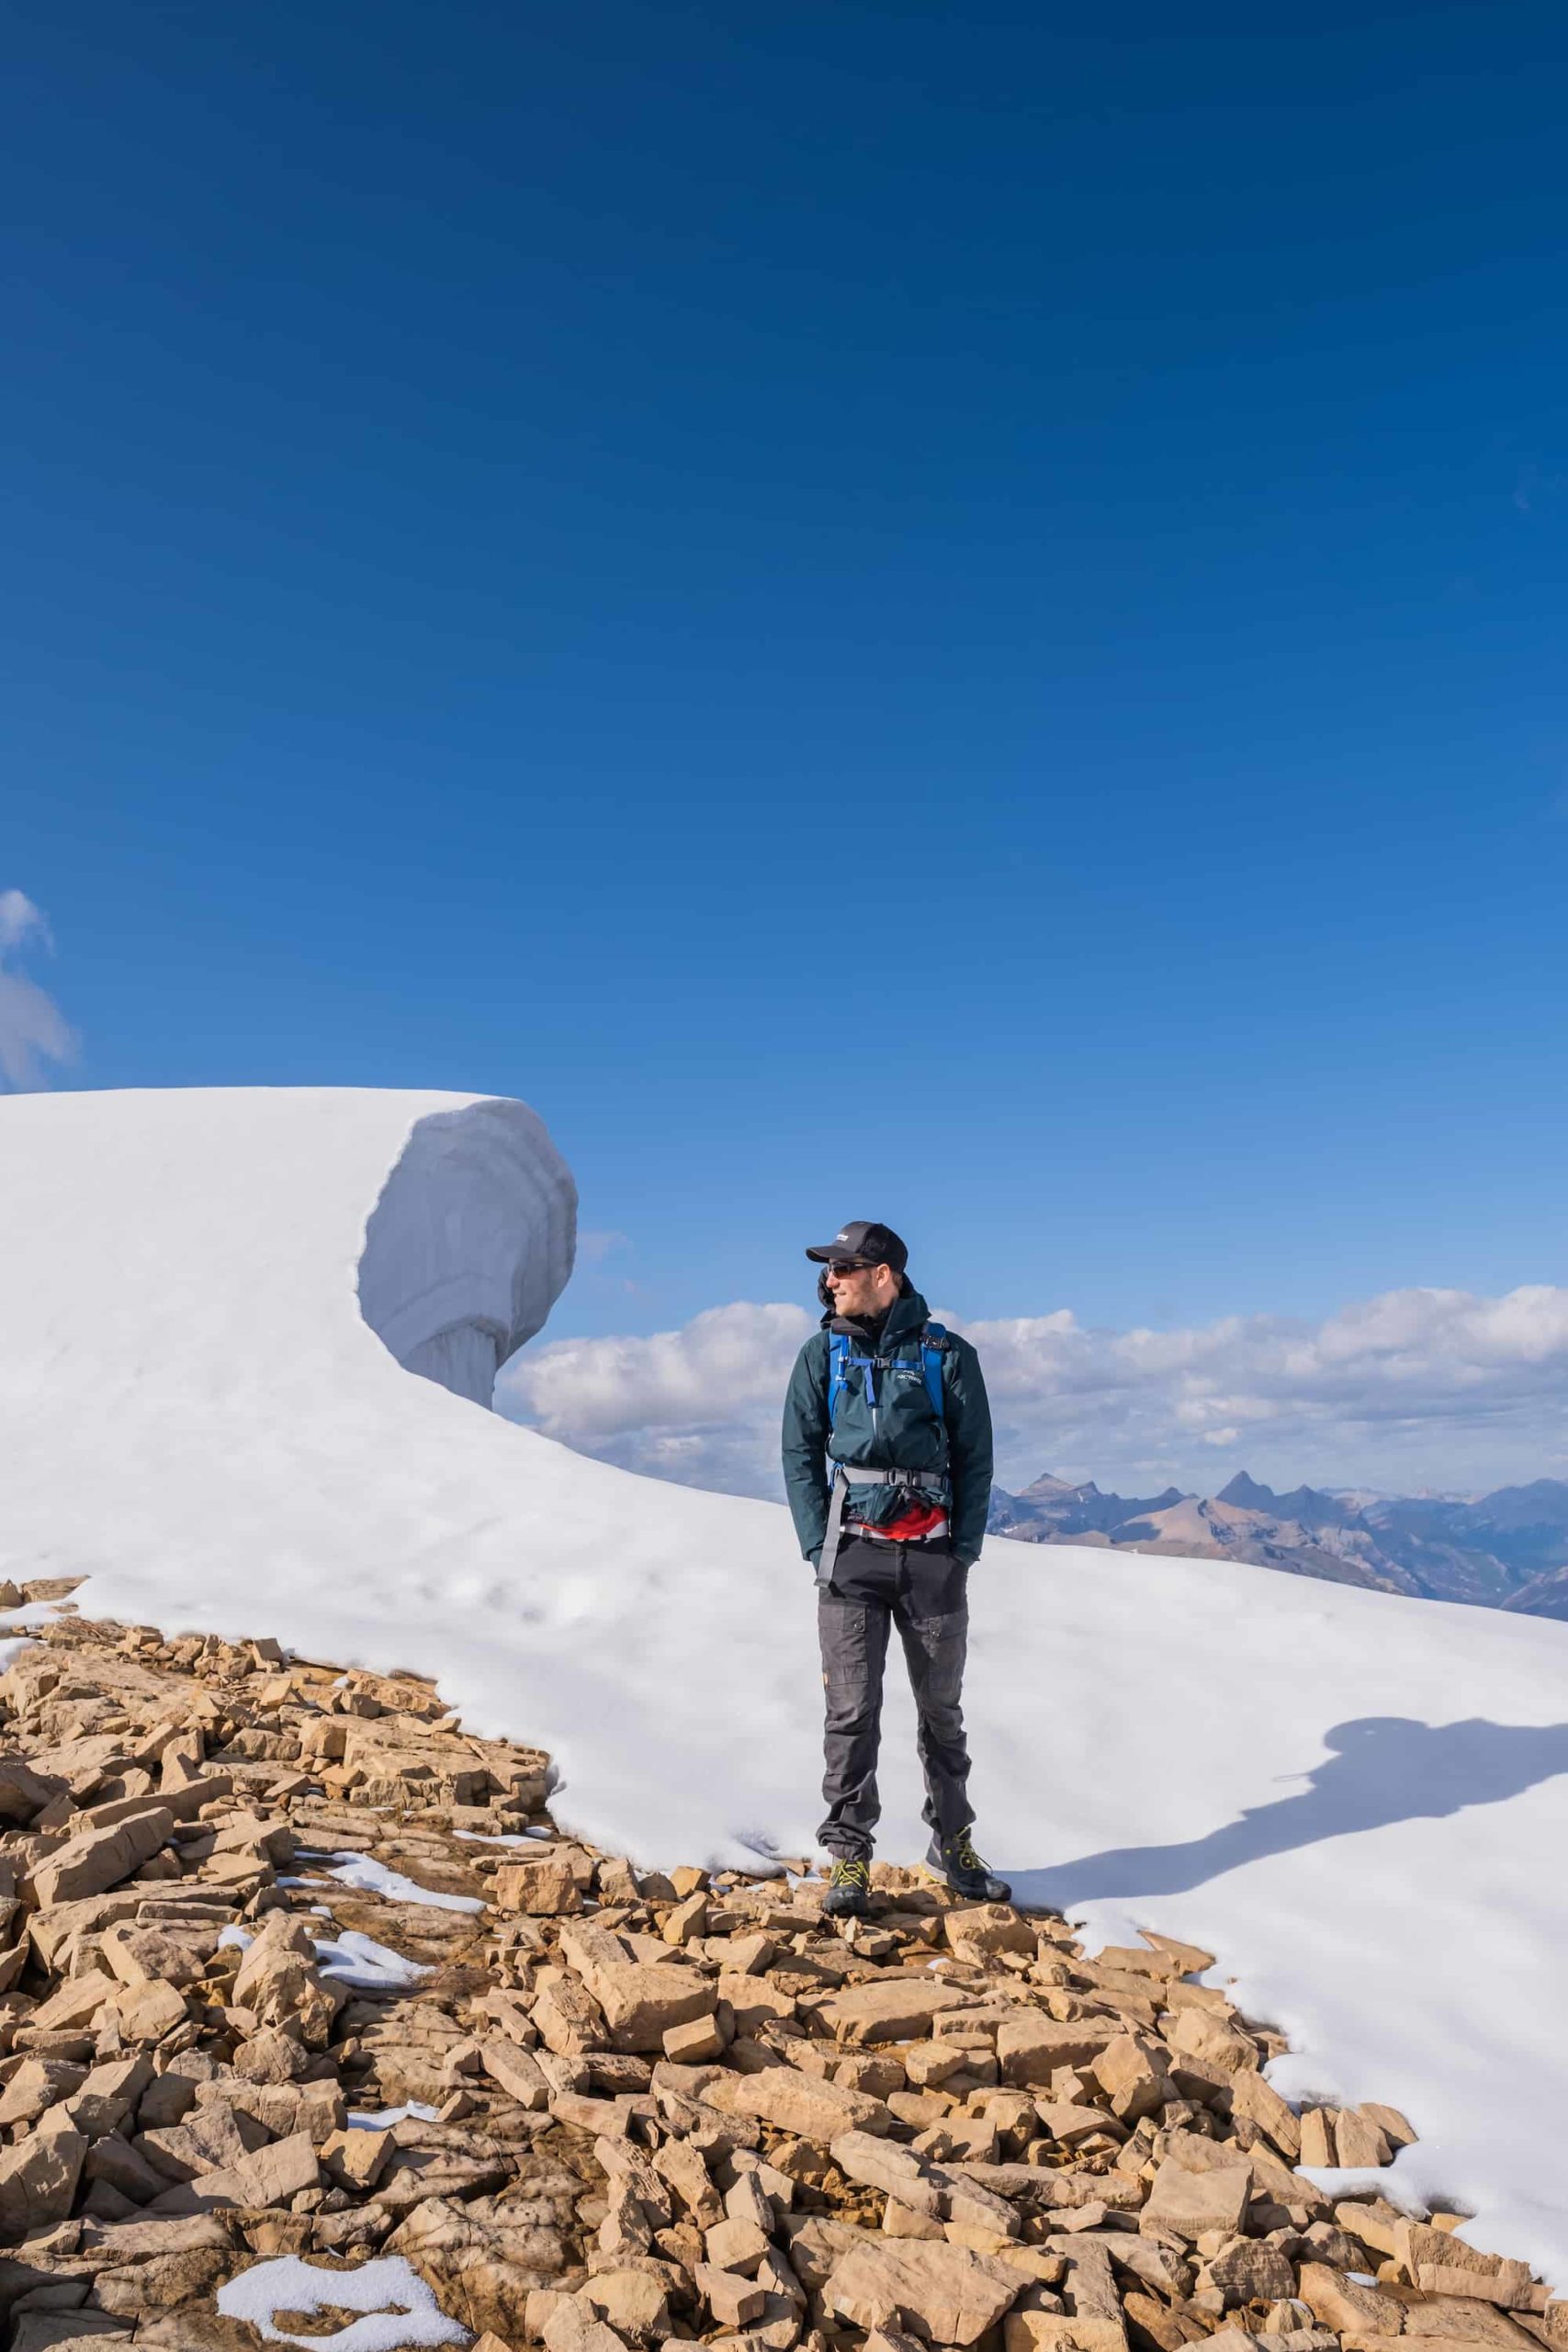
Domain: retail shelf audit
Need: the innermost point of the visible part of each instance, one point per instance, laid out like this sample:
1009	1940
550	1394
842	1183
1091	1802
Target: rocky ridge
308	2011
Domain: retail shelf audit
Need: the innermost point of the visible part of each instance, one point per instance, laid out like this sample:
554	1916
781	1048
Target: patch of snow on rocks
366	1966
368	1876
399	2309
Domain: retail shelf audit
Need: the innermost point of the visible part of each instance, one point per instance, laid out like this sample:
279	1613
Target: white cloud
700	1406
1413	1388
33	1030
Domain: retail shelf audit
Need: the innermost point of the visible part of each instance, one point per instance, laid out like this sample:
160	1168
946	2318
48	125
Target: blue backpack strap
933	1347
837	1351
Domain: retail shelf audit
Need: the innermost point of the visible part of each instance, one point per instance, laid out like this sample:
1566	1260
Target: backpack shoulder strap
933	1348
838	1352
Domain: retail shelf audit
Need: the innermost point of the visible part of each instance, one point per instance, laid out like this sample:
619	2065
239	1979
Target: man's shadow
1383	1769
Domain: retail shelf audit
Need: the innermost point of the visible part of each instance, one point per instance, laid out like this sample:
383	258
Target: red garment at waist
917	1524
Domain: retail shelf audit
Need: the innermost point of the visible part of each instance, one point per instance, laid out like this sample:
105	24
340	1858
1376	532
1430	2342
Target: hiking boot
848	1891
955	1862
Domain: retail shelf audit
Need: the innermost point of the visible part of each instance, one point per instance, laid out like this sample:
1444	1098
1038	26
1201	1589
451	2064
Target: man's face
862	1290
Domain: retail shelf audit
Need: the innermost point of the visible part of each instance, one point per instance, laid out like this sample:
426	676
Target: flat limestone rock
881	2164
641	1999
945	2294
1340	2302
545	1888
1442	2264
1030	2048
1194	2034
39	2176
799	2103
99	1858
1189	2203
897	2008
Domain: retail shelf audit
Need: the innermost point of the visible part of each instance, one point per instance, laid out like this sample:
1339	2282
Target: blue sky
900	612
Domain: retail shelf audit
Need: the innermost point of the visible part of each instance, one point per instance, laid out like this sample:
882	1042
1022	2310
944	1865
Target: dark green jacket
903	1435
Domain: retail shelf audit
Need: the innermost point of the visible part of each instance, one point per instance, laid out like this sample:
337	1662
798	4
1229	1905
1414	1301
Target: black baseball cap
873	1245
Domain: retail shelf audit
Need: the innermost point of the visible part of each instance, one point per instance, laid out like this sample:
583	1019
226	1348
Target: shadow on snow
1384	1768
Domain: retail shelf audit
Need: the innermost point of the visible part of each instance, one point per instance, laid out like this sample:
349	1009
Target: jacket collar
907	1317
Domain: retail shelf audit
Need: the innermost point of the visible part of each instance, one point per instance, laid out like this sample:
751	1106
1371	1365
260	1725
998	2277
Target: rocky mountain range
1506	1550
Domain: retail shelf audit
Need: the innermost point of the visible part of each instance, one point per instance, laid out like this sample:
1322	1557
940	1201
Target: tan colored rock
678	2165
545	1888
1071	2123
695	2043
162	2283
1031	2048
901	2221
1317	2136
1189	1960
979	1931
631	2302
571	2327
99	1858
279	1984
568	2019
154	1956
1132	2072
271	2054
735	2245
1396	2128
37	2084
897	2008
38	2176
1189	2203
1248	2270
731	2298
114	2161
641	1999
928	2064
1357	2141
688	1920
882	2163
148	2013
516	2071
1195	2033
1340	2302
800	2103
356	2159
486	2262
74	2004
1461	2319
944	2294
1261	2104
23	1792
1440	2263
753	2001
271	2177
214	2138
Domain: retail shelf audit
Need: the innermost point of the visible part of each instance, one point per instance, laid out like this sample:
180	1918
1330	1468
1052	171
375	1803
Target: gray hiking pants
921	1589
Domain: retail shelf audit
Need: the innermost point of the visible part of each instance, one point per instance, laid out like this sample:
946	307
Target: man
888	1463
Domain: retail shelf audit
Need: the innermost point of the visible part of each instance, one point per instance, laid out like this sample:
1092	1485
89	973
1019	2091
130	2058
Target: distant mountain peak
1047	1489
1248	1495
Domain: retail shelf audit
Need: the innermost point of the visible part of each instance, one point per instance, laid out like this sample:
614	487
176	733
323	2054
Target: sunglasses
850	1266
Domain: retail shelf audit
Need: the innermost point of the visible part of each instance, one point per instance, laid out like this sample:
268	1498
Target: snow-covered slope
1361	1803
